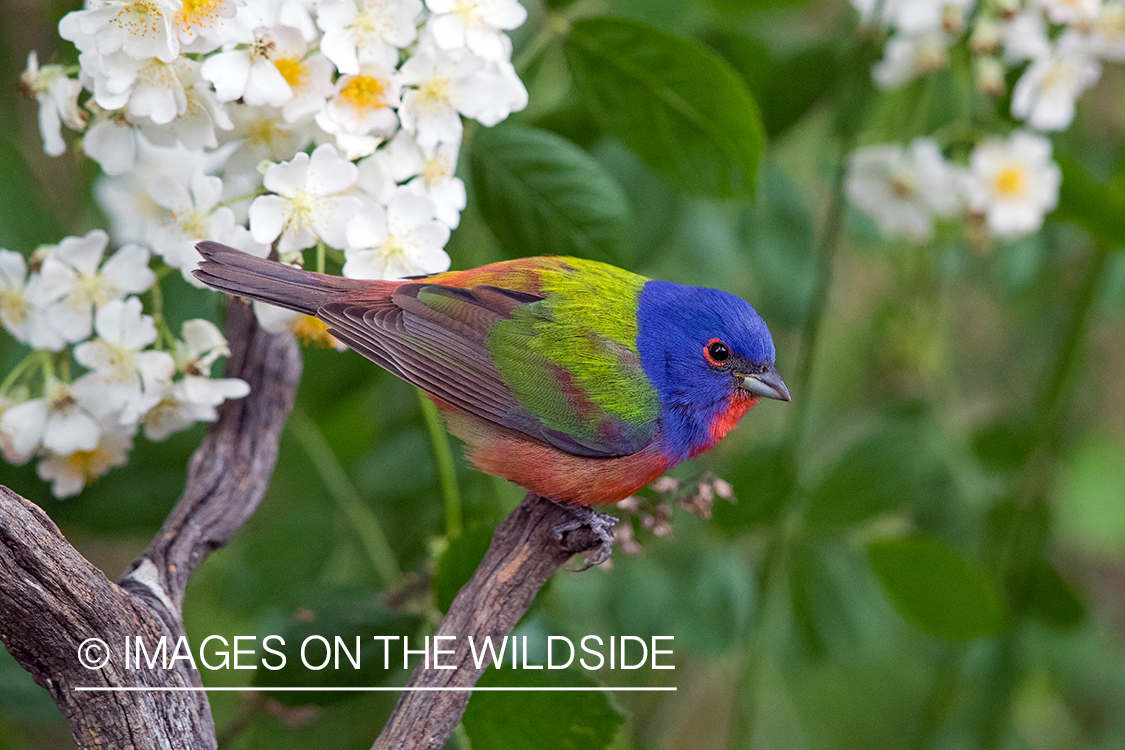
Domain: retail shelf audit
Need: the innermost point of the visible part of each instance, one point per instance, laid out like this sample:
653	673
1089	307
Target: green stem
321	253
28	362
854	96
1051	400
244	197
363	521
443	453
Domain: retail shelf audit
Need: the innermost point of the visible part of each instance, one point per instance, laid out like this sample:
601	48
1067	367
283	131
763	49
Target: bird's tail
244	275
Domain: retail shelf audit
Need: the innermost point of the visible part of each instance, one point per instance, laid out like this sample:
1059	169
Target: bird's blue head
709	356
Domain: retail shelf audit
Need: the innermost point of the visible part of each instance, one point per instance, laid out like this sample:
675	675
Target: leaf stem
443	453
339	485
24	365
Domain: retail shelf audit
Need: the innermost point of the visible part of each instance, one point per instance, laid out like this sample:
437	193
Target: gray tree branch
523	555
52	599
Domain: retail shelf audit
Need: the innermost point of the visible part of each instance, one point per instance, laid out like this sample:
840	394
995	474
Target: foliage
925	545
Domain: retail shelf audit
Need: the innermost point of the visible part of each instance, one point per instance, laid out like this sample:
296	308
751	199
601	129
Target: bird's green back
571	358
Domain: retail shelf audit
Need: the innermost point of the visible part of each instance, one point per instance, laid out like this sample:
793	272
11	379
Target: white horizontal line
379	689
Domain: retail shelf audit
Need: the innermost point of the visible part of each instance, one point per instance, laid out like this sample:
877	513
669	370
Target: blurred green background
928	548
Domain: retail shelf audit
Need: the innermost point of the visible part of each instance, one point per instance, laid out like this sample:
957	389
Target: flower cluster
75	304
254	121
333	124
1009	185
1053	48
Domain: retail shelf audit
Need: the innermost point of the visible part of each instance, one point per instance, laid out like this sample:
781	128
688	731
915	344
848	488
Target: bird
572	378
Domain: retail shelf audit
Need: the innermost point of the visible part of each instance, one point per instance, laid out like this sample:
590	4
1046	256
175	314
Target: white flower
127	377
1071	12
475	24
138	28
20	311
133	215
908	57
435	178
15	305
248	72
195	397
308	203
57	96
263	135
1047	91
196	215
405	239
310	79
366	31
500	92
203	18
443	84
72	284
903	188
1025	38
7	448
918	16
194	125
111	141
70	472
1109	31
1013	183
61	421
149	88
364	103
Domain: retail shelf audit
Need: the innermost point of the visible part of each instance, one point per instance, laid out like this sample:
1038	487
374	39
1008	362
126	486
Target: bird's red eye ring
716	352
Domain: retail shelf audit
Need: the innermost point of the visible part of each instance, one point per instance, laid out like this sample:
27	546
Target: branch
52	599
523	555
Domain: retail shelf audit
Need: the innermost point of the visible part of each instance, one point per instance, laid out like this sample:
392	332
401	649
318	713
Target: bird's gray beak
767	384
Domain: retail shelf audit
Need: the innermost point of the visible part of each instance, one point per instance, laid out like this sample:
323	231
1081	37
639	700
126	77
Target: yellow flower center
295	73
1011	182
140	18
303	210
437	169
264	131
434	93
313	332
192	223
89	464
364	92
902	186
370	20
197	13
13	307
468	12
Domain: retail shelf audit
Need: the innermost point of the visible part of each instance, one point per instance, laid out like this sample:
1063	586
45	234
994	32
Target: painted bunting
577	380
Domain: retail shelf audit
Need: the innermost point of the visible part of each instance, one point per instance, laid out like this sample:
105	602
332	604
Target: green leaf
762	483
877	474
1005	444
819	610
546	720
458	562
935	588
675	103
26	220
1099	209
784	88
1051	598
542	195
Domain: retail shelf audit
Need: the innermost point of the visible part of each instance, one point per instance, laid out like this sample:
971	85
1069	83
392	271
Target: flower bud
990	76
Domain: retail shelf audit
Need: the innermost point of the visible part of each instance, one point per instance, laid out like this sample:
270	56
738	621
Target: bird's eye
716	352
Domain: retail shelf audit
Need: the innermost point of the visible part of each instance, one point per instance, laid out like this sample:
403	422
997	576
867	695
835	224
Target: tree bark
525	552
52	600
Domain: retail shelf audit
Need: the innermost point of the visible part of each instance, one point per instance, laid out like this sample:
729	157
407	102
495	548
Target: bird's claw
600	523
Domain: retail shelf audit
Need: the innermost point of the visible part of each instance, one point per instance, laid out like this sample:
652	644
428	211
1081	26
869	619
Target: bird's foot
601	524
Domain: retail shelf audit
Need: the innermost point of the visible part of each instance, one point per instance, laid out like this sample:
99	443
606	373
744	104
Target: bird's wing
481	350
